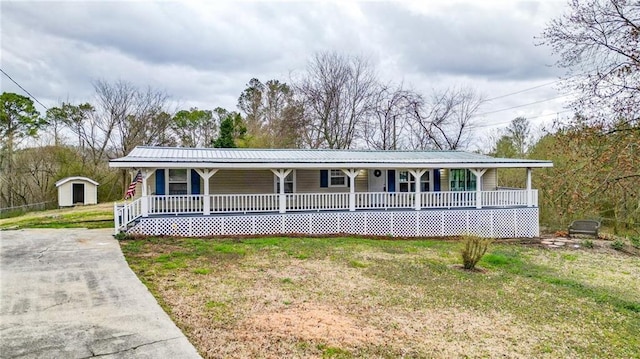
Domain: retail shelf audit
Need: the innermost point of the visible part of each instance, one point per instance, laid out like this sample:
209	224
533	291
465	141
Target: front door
78	193
377	180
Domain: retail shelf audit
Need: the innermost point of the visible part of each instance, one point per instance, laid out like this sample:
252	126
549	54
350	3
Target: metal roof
76	178
174	157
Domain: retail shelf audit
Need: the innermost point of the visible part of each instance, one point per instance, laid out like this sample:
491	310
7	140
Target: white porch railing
508	198
225	203
317	201
452	199
297	202
176	204
384	200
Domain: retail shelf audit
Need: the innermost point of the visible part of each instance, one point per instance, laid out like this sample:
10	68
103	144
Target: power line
23	89
528	118
551	114
521	91
524	105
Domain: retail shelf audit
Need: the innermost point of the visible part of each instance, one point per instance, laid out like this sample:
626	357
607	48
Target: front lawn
93	216
350	297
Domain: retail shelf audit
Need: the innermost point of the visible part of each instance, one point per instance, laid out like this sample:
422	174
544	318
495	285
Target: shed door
78	193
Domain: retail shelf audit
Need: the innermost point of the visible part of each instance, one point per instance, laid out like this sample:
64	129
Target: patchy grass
97	216
360	298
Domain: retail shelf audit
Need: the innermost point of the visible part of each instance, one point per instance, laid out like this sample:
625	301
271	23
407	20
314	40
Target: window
178	181
425	185
288	183
407	182
462	180
337	178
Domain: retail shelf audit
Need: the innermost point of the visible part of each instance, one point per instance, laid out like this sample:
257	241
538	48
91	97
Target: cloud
466	40
204	53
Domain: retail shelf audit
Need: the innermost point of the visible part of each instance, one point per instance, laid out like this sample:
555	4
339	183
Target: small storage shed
77	191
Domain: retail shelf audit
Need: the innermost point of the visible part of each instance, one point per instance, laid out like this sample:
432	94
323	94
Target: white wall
65	193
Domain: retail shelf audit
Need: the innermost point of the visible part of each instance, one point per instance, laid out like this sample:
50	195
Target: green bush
587	243
473	250
618	244
635	241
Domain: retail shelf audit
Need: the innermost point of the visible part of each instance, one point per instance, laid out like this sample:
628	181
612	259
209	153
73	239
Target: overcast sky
204	54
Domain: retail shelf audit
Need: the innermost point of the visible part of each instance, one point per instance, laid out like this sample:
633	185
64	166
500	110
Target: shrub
587	243
635	241
473	250
121	236
617	245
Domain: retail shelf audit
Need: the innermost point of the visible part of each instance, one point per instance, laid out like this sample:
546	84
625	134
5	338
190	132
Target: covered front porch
207	204
317	185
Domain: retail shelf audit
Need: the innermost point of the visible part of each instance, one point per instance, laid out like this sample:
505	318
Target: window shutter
324	178
160	182
391	180
195	182
436	180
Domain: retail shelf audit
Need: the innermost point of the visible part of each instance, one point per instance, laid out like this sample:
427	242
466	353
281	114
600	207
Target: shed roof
76	178
177	157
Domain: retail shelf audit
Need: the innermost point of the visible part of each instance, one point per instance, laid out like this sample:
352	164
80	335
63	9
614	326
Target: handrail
125	213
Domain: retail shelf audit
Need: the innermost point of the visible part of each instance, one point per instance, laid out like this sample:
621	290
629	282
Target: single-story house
211	191
77	190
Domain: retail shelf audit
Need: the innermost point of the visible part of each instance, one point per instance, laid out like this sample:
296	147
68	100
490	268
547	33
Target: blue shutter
324	178
195	182
160	182
436	180
391	180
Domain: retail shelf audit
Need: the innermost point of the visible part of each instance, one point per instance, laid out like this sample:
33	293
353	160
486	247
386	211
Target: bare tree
337	94
445	121
599	44
132	116
123	117
387	122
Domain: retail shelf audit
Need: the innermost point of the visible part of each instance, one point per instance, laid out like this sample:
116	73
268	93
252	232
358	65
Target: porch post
417	177
206	174
478	172
529	194
282	175
146	173
352	174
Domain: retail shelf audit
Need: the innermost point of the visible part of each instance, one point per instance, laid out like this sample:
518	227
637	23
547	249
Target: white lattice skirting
496	223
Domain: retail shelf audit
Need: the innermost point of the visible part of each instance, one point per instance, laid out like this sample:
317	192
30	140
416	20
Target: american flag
131	191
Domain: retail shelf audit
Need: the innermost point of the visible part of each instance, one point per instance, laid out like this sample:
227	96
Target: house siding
307	181
242	182
490	180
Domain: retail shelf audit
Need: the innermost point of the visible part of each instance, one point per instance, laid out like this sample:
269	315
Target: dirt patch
311	322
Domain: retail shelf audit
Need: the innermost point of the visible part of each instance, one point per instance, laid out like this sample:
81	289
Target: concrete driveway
69	293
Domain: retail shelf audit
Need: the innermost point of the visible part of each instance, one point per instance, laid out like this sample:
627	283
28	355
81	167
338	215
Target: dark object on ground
589	227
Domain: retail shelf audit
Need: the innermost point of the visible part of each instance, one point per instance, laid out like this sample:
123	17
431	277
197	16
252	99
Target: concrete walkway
69	293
